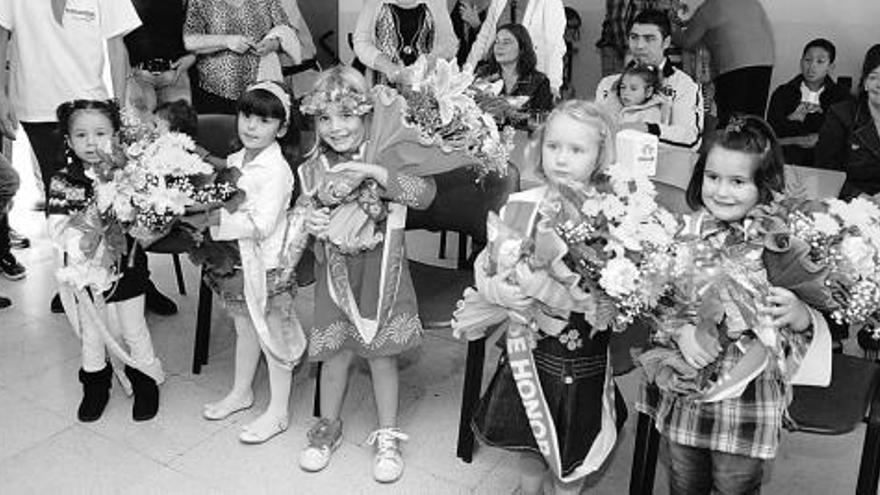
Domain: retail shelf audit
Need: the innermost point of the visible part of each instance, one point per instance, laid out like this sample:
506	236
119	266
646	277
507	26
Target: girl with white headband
259	292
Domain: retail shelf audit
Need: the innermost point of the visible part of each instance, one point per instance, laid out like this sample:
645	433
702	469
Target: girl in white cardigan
259	293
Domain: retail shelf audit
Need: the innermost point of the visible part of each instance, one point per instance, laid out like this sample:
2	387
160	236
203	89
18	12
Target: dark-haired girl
722	446
260	295
88	127
639	96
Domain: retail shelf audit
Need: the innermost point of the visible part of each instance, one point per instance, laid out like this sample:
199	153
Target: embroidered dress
749	424
365	301
573	377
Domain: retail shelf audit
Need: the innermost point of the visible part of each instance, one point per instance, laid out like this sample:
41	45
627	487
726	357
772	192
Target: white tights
125	319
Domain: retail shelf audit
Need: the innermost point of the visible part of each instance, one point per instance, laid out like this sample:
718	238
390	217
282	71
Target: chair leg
442	253
473	377
178	272
461	264
869	467
203	328
316	407
644	457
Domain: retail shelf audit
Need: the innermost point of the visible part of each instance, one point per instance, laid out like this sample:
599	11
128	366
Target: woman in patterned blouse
230	37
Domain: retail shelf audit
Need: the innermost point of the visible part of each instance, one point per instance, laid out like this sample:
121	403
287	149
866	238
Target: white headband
279	93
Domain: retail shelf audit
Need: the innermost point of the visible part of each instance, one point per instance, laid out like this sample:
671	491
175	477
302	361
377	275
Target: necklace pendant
408	50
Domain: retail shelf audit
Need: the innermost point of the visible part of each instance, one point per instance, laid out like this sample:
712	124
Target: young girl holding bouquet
259	291
721	446
89	127
365	303
554	402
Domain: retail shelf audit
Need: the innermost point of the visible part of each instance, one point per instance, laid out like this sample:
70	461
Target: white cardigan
545	22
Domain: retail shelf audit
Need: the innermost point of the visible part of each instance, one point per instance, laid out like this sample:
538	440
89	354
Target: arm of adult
445	41
198	39
364	47
554	41
696	27
118	18
8	120
486	36
831	149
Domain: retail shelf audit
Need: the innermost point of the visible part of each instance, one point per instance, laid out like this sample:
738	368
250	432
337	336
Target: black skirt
135	275
573	382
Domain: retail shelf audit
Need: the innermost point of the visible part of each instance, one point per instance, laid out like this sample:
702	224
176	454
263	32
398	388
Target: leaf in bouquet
606	311
219	257
228	175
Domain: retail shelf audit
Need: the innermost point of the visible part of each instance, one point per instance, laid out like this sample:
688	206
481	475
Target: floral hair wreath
347	100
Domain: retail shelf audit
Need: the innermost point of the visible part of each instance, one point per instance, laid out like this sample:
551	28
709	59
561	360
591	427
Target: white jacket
545	22
684	125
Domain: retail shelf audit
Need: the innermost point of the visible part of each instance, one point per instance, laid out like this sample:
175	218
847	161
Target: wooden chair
461	205
217	133
852	397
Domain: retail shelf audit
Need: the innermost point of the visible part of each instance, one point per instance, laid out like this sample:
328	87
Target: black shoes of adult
56	305
146	395
5	302
159	303
96	393
18	241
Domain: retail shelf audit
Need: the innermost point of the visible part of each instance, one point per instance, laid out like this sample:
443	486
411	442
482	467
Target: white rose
825	224
619	277
859	253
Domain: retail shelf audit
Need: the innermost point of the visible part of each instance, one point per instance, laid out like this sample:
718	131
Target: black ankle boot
96	393
146	395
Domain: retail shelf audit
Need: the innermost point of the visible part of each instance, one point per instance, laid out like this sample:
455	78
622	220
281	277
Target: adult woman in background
513	61
232	38
392	34
850	137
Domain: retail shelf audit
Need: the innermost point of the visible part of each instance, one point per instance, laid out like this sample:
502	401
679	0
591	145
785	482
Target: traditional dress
558	399
365	301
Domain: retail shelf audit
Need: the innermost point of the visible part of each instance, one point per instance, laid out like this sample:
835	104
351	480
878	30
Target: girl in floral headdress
365	304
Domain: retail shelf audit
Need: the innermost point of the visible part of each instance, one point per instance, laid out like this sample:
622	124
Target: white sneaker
324	438
388	463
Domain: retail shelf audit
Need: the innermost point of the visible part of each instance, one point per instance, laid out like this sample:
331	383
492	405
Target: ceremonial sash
521	213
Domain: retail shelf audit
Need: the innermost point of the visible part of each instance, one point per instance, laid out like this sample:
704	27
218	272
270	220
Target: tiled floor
43	449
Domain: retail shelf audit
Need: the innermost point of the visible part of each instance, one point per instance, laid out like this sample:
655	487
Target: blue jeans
696	471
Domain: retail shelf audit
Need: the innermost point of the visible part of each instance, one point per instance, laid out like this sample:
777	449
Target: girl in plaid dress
723	446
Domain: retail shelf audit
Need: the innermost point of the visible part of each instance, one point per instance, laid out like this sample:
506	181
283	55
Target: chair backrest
461	204
218	134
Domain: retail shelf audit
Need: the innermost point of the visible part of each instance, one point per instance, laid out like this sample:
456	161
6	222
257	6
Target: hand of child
317	222
367	170
800	113
238	43
696	351
267	46
786	310
202	220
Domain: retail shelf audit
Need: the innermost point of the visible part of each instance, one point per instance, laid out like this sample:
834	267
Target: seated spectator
233	40
797	108
638	96
159	61
467	17
392	34
649	37
513	62
849	139
545	22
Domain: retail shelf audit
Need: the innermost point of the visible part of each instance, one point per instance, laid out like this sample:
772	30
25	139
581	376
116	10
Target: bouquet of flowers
151	179
601	251
442	104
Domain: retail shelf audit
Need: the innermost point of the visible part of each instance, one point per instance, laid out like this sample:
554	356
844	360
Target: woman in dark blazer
850	137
